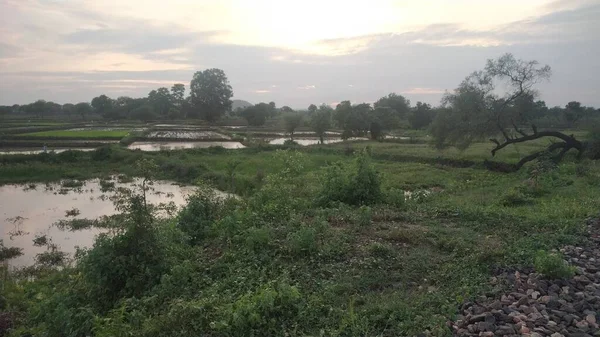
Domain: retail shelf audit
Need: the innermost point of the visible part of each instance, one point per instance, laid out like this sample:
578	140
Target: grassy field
280	261
79	134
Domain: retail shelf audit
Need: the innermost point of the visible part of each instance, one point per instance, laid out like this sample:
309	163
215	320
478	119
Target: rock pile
539	307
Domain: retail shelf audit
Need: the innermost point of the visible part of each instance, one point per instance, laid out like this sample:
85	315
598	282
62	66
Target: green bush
257	238
396	198
364	215
303	241
358	184
553	265
197	217
272	310
515	197
102	153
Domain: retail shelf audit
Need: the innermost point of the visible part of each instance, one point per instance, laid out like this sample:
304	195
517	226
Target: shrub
381	250
515	197
257	238
395	197
270	311
355	185
303	241
290	142
553	265
364	216
102	153
202	210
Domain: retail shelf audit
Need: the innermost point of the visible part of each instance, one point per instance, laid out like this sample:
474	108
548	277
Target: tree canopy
477	110
211	94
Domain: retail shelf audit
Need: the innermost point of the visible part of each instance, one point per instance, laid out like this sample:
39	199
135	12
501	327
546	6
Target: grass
393	268
79	134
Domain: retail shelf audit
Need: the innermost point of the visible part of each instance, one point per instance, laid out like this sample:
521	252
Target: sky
290	51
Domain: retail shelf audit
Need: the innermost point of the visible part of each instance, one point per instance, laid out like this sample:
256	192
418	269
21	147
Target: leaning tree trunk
556	150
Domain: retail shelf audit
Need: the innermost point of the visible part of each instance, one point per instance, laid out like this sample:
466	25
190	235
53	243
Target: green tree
312	108
292	121
421	116
178	94
143	113
383	119
256	115
68	109
211	93
286	108
573	113
103	105
397	102
477	111
161	101
83	109
320	121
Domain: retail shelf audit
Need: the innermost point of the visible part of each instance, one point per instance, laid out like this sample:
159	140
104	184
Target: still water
30	210
165	146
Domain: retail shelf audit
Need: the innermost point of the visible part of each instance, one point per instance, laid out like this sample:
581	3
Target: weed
553	265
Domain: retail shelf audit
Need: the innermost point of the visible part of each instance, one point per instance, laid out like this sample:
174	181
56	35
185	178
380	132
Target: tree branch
570	140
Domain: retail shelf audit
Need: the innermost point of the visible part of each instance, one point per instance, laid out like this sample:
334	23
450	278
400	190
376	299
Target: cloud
423	91
73	51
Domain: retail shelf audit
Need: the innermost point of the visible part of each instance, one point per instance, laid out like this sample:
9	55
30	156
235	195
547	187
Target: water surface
32	210
165	146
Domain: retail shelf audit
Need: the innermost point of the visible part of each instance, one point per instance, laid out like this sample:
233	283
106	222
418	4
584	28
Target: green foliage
515	197
258	239
197	217
211	94
292	121
358	184
303	241
553	265
268	311
364	215
7	253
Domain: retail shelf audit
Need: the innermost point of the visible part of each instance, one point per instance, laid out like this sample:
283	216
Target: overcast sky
290	51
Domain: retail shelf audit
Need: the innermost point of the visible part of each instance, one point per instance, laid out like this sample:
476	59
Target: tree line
210	94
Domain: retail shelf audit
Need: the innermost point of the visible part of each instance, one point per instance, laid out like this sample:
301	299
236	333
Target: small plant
380	250
290	142
553	265
364	216
303	241
359	184
515	197
69	183
106	185
72	212
395	197
257	238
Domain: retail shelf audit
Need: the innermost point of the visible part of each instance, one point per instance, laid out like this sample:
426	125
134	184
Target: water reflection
165	146
56	150
30	210
311	141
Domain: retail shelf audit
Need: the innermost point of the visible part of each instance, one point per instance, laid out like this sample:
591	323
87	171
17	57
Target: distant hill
238	103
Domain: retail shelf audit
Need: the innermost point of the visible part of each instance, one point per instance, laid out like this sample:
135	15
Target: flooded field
311	141
165	146
185	134
37	151
30	210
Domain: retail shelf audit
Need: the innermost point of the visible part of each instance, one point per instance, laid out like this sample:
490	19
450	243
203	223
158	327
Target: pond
37	151
166	146
310	141
30	210
180	134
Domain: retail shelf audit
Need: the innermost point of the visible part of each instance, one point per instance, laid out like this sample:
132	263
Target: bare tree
477	110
